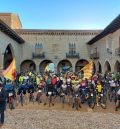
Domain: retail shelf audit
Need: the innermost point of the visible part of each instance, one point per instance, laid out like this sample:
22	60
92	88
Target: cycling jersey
21	78
99	88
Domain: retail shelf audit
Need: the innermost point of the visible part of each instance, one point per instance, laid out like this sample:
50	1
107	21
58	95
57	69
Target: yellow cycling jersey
21	78
30	73
37	80
99	88
73	82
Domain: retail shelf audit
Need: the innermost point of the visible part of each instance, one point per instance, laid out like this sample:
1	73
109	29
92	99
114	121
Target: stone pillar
37	68
37	64
55	67
73	67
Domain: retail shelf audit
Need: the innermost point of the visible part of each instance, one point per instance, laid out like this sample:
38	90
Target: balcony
72	55
94	55
117	51
109	51
39	56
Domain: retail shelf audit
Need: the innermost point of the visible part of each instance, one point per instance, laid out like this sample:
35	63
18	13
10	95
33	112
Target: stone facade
61	47
106	48
55	45
15	48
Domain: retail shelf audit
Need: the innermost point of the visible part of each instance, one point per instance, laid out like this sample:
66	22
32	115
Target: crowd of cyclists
65	88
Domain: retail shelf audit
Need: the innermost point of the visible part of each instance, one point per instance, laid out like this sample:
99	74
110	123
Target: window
95	50
91	51
38	48
72	48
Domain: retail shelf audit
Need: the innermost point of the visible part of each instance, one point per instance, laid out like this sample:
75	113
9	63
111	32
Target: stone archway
64	66
8	56
99	67
80	64
117	66
107	67
44	64
27	65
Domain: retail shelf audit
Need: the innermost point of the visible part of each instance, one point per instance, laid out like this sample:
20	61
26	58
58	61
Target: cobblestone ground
58	119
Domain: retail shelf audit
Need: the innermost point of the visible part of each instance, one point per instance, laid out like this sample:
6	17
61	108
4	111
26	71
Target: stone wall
15	48
55	47
106	48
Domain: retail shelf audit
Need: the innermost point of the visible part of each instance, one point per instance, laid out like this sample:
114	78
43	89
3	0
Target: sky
63	14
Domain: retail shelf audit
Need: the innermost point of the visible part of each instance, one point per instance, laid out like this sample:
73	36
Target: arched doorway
64	66
107	67
117	66
27	65
99	68
47	66
8	56
80	64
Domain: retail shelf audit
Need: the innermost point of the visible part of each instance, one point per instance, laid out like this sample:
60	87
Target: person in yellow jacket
73	81
21	78
99	89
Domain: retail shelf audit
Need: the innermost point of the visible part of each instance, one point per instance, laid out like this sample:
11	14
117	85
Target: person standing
2	103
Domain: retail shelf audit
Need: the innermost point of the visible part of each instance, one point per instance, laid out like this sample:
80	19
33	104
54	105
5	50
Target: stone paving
56	119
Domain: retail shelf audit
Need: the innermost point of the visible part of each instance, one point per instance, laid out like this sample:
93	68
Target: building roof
40	31
11	33
112	27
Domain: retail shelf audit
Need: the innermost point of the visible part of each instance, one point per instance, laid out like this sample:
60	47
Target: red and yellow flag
10	72
88	70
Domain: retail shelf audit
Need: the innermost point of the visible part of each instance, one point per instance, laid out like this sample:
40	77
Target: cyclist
99	89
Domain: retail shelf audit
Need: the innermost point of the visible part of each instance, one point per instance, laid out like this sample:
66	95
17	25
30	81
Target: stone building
104	49
64	48
10	46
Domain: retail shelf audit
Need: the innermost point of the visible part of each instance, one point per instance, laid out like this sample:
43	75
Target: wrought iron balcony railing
109	51
117	51
94	55
72	55
41	55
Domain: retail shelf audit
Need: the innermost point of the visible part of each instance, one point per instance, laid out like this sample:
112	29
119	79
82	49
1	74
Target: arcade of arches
63	65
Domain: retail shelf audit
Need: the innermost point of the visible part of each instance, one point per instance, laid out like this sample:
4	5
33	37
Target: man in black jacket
2	103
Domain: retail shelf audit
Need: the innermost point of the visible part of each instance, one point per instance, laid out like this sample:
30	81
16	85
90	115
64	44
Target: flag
88	70
10	72
47	68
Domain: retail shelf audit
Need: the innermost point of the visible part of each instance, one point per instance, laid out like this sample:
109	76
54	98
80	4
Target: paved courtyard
58	119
